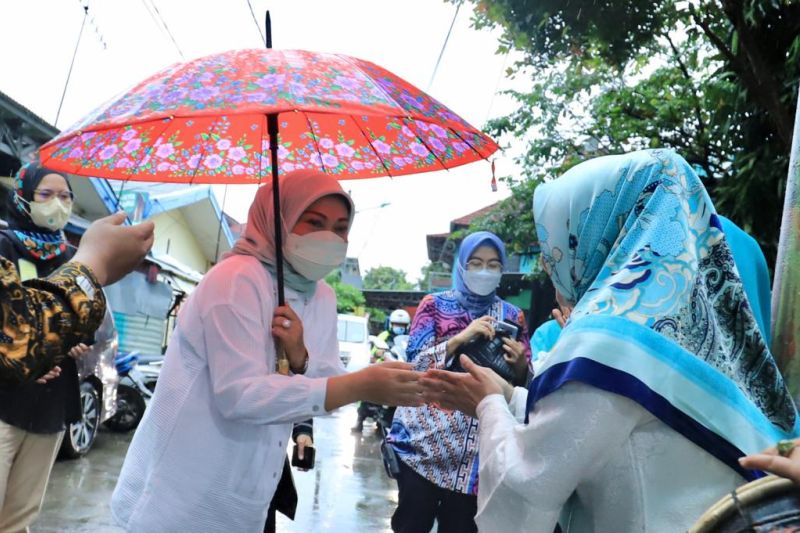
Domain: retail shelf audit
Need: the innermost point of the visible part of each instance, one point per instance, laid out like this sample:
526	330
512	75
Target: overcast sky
405	37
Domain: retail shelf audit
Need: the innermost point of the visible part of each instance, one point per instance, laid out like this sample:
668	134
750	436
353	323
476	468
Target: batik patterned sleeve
422	334
43	318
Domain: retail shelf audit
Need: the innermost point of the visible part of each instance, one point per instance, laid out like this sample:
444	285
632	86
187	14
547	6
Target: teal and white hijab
661	314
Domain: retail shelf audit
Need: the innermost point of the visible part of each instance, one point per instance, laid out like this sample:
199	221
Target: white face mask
52	214
315	255
482	282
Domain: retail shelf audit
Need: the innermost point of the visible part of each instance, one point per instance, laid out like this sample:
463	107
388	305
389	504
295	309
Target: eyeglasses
46	194
477	264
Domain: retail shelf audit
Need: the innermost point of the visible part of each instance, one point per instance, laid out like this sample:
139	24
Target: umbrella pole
786	290
272	130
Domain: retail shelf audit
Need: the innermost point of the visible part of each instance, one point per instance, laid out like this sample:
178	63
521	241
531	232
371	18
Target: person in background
438	449
661	379
33	416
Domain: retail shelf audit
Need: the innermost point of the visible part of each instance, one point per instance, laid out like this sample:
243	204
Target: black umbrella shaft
268	30
272	130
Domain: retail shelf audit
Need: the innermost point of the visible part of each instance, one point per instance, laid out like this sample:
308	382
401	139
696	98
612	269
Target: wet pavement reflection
347	490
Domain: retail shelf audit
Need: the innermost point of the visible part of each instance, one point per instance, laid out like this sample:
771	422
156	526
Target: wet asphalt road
348	489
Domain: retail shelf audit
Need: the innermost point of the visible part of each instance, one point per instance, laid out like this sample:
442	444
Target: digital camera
489	352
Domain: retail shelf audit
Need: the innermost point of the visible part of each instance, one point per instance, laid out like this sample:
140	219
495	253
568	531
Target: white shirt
621	468
210	449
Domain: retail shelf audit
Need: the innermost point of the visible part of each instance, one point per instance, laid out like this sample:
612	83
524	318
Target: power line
162	24
255	21
444	45
72	63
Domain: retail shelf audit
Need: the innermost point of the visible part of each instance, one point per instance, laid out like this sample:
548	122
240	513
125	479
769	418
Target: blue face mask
399	330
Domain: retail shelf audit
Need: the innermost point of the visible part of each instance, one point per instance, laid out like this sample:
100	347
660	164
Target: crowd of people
654	377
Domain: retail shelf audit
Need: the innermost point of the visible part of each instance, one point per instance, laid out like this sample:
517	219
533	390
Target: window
351	331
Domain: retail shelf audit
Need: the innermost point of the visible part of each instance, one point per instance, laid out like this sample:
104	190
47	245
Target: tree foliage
715	80
349	299
386	278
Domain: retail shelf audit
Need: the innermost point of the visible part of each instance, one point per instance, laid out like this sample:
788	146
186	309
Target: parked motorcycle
136	385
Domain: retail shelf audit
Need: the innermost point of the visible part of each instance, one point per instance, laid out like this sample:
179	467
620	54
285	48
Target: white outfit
210	450
621	468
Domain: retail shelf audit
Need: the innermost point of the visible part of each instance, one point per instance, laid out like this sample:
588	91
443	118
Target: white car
354	344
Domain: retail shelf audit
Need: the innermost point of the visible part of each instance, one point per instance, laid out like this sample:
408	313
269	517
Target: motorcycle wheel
79	436
130	410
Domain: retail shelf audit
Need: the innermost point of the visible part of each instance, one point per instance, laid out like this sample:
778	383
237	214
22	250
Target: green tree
427	270
387	278
348	299
716	81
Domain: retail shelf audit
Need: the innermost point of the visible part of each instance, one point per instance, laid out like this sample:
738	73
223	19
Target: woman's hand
52	374
771	461
303	440
287	328
515	356
390	383
561	315
463	391
78	351
483	326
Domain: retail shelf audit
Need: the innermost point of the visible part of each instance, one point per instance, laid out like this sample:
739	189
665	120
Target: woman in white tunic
210	449
660	380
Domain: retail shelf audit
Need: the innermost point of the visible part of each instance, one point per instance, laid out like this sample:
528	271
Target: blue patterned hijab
661	314
475	304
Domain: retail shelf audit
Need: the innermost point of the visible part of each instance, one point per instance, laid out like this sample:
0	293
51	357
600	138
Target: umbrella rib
369	143
149	149
420	139
462	139
316	143
202	153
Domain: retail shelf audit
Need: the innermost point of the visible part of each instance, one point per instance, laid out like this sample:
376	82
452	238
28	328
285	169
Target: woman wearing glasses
437	449
33	417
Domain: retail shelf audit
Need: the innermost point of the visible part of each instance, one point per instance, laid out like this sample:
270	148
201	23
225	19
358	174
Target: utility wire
255	21
162	24
444	45
72	64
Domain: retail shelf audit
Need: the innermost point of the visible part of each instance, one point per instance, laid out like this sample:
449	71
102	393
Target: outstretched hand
771	461
463	391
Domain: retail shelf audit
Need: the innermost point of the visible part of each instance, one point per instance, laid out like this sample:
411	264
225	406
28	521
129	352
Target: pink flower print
287	167
315	160
223	144
298	89
132	146
422	125
236	153
283	153
205	76
326	143
357	165
419	149
436	144
204	93
129	134
237	170
212	161
407	131
344	150
109	151
345	82
381	147
329	161
193	161
269	81
399	161
439	131
165	150
75	153
163	166
124	163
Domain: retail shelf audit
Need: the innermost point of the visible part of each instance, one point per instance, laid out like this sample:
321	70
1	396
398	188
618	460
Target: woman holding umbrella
210	449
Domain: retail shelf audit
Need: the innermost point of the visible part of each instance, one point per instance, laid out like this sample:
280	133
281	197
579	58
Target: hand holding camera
493	350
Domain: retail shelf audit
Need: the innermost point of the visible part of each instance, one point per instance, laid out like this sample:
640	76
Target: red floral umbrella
240	116
205	121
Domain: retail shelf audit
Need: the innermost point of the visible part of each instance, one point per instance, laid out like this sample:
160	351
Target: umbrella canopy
205	121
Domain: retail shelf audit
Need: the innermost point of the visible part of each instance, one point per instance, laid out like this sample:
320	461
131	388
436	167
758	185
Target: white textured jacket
209	451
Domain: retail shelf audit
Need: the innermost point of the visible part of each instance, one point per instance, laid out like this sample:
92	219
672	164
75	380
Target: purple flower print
357	165
75	153
399	162
422	125
204	93
283	153
345	82
237	170
163	166
411	101
315	160
287	167
132	146
436	144
329	161
407	132
129	134
418	149
270	81
205	76
193	161
223	144
124	163
325	143
460	147
212	161
381	147
439	131
344	150
298	89
108	152
236	153
165	150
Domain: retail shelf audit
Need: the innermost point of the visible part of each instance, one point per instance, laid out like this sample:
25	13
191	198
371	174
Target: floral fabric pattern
205	122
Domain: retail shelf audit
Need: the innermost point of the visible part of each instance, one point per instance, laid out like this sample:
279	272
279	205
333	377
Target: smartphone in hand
307	462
